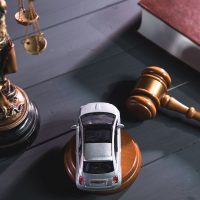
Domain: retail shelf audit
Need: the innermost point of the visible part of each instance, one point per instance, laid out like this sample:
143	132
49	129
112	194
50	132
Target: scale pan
35	44
26	17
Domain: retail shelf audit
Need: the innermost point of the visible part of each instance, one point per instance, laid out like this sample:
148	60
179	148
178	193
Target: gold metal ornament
13	106
34	42
26	16
19	119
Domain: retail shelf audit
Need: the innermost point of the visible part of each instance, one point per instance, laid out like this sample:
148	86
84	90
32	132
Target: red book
182	15
174	25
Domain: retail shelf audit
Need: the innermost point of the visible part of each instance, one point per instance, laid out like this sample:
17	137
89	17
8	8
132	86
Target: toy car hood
99	107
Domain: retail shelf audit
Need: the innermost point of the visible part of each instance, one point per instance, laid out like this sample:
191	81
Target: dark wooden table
95	54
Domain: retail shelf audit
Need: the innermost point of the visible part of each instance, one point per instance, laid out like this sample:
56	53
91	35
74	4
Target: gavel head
145	97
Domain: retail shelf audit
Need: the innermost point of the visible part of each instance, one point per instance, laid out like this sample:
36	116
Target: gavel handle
172	104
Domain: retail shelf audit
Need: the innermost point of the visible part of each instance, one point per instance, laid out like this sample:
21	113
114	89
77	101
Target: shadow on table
47	178
118	95
7	161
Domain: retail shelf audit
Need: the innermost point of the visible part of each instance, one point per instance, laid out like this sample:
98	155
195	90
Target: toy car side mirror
74	127
120	125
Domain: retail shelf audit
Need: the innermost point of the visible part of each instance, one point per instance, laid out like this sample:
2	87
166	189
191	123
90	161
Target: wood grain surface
94	54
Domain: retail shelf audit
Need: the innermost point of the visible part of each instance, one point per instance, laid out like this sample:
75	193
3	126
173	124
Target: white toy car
98	147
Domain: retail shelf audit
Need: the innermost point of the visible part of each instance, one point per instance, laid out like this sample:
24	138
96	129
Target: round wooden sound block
130	161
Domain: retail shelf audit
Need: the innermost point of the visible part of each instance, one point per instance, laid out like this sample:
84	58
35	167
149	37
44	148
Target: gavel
150	93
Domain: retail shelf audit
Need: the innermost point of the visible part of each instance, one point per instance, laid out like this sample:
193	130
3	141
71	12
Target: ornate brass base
19	119
21	136
14	109
130	161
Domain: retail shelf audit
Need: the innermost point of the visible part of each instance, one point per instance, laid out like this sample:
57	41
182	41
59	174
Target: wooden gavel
150	92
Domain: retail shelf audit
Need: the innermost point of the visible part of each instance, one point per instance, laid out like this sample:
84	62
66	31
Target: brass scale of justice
19	117
35	43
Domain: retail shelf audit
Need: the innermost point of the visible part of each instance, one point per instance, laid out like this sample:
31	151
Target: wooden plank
169	144
55	12
29	174
63	96
74	44
110	80
39	174
173	177
59	100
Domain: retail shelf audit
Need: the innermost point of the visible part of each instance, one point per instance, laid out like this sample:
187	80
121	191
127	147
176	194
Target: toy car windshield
97	118
99	167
